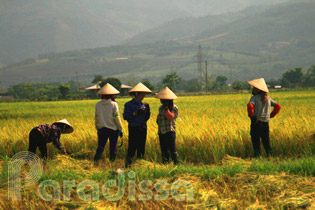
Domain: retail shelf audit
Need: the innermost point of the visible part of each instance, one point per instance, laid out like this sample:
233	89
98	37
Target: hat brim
260	84
67	129
165	97
166	94
147	93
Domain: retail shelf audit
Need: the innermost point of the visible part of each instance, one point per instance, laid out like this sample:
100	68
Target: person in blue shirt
137	114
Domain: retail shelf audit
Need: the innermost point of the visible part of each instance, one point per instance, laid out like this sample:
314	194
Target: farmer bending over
46	133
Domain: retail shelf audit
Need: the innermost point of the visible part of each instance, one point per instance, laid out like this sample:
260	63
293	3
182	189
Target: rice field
209	127
213	144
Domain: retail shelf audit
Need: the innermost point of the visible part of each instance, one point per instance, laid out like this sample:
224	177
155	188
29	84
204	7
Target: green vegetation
234	183
73	90
48	91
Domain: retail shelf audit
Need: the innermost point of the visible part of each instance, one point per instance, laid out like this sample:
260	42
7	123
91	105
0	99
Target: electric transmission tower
200	64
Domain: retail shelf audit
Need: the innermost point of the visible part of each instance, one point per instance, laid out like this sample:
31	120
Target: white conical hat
140	88
108	89
68	128
259	84
166	94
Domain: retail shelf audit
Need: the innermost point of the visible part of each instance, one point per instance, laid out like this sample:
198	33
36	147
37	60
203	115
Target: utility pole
200	61
230	74
206	64
78	80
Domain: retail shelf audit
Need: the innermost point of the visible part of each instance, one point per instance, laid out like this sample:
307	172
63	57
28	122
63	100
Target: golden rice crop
209	127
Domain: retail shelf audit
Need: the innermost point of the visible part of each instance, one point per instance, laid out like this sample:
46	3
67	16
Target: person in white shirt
107	121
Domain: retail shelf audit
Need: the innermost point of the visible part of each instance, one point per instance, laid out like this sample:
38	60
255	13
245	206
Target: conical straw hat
259	84
108	89
166	94
140	88
68	128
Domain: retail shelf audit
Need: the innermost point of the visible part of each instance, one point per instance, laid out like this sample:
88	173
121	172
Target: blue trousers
103	135
136	143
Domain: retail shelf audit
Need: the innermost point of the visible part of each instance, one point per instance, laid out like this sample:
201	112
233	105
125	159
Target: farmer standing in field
258	110
46	133
166	120
107	122
137	114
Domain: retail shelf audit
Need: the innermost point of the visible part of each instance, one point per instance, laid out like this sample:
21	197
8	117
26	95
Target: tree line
73	90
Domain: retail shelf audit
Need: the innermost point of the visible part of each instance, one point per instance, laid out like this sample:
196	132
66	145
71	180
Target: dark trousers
260	130
103	135
168	147
136	142
36	139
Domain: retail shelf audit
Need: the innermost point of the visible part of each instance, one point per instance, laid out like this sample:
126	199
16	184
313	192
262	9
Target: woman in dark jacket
137	114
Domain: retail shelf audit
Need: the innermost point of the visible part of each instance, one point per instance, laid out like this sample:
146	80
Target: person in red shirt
259	111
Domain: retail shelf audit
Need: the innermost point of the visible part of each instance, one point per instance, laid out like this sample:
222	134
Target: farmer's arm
97	117
169	115
128	115
250	107
57	143
276	108
117	117
148	112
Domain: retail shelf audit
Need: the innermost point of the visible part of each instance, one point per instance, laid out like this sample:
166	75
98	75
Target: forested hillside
251	43
32	27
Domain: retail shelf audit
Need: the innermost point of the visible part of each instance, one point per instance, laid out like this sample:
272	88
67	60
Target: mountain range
259	41
33	27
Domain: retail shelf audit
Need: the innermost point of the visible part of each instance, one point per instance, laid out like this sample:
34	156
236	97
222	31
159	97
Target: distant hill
182	29
245	45
187	28
289	24
281	36
32	27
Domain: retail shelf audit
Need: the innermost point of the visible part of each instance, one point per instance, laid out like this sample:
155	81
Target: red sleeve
169	115
275	111
250	109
